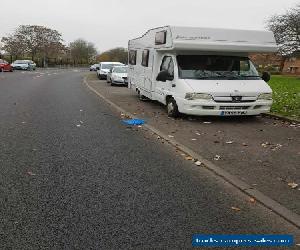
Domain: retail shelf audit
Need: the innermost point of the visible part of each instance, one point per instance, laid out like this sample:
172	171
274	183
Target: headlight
193	96
265	96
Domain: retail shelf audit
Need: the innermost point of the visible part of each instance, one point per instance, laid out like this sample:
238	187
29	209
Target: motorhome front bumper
210	107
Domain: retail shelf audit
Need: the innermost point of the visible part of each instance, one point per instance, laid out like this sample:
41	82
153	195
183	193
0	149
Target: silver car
118	75
24	65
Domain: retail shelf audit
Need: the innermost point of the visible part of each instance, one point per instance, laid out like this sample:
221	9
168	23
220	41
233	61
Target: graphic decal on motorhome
193	37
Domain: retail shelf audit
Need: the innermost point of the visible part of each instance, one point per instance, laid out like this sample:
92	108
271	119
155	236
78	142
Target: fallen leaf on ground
217	157
193	139
236	209
245	144
198	163
81	122
265	144
293	185
30	173
139	126
189	158
78	125
229	142
207	122
252	200
198	134
171	136
275	147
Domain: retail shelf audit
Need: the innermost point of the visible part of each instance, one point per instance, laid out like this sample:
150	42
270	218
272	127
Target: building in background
271	62
292	64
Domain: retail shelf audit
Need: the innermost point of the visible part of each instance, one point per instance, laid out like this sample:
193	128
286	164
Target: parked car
118	75
105	67
5	66
94	67
201	71
24	65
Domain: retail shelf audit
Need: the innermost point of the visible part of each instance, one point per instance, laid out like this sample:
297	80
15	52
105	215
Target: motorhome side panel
136	71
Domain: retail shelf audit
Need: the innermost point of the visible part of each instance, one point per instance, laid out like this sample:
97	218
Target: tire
141	97
108	80
172	108
112	83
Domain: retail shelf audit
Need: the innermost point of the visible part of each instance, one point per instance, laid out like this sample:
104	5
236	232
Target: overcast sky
112	23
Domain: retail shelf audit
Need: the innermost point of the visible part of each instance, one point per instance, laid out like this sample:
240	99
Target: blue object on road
134	122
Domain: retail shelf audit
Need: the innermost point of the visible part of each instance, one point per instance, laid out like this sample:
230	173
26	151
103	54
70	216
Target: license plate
224	113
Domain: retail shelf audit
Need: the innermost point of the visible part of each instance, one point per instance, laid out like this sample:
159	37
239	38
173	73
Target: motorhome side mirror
164	76
266	76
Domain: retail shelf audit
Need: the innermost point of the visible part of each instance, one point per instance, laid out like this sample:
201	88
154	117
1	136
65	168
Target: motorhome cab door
163	88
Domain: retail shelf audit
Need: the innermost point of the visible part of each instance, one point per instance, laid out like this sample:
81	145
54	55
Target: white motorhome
201	71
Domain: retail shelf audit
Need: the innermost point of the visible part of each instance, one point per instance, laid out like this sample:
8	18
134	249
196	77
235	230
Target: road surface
73	176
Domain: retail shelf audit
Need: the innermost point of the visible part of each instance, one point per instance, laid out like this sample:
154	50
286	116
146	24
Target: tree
13	46
286	29
82	51
114	55
33	40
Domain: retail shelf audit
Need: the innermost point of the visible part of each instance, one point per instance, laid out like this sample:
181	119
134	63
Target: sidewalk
261	151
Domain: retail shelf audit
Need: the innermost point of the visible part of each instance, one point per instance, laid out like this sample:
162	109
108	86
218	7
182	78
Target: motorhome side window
167	64
145	58
161	38
132	57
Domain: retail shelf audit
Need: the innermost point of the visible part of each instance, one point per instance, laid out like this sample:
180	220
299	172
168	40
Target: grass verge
286	95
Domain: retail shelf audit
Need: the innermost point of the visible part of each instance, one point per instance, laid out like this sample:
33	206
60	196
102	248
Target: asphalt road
74	177
261	151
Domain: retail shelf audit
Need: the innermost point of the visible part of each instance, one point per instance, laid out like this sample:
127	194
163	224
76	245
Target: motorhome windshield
216	67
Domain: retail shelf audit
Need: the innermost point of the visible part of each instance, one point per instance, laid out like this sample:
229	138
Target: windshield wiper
248	76
227	77
202	77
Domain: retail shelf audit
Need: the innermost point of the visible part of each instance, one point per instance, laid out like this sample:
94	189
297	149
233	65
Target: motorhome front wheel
172	108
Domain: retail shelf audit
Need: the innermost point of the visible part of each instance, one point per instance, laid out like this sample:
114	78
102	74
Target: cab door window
168	64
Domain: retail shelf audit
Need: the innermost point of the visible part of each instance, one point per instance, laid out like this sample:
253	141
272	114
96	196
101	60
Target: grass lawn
286	95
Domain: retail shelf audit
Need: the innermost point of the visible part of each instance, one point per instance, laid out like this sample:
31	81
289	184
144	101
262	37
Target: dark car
5	66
